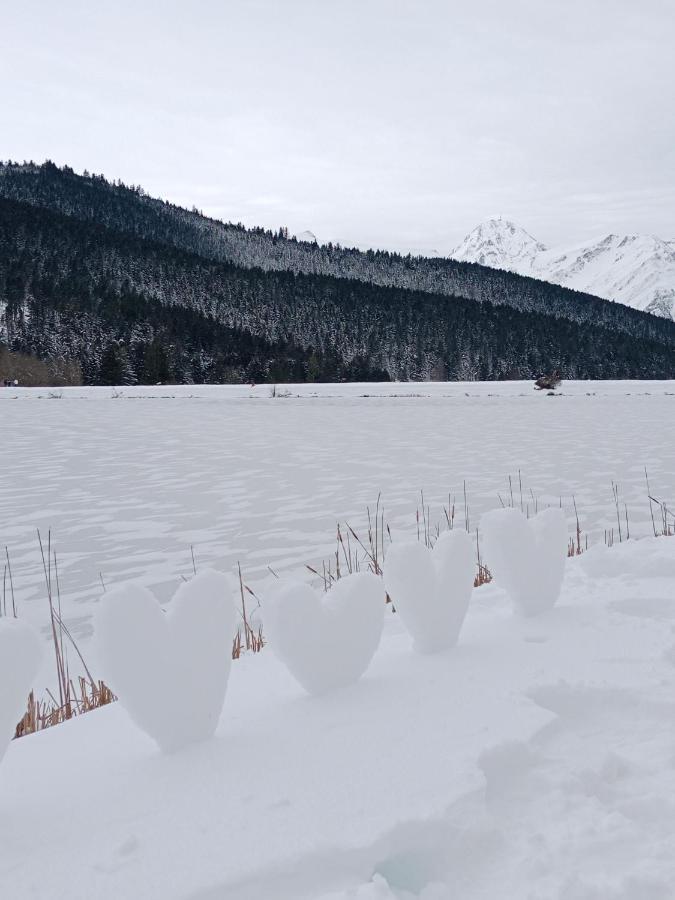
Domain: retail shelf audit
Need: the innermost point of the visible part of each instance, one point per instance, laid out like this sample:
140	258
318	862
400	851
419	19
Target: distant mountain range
133	289
636	270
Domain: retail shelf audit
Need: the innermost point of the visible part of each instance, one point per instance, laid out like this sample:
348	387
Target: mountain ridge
99	273
93	198
635	270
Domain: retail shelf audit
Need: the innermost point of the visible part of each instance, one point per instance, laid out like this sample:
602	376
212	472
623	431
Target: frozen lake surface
129	479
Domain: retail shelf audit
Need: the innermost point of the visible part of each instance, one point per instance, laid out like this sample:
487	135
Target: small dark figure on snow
548	382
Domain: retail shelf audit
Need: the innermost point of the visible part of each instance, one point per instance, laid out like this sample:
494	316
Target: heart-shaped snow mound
526	556
326	640
431	589
170	669
20	656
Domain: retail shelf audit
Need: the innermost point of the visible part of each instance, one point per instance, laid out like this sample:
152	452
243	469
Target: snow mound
326	642
20	656
169	670
431	589
526	556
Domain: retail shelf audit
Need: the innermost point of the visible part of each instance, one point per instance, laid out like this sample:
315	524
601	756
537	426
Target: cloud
386	123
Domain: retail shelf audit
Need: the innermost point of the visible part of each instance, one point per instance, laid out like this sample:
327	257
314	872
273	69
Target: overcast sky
391	124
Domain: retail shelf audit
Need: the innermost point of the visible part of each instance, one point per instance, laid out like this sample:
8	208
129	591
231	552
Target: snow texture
20	655
431	589
326	641
169	670
526	556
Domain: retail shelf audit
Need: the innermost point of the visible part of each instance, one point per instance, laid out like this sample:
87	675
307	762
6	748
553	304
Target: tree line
91	198
132	310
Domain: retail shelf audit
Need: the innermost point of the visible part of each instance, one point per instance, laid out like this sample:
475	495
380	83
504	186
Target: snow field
170	671
128	483
534	760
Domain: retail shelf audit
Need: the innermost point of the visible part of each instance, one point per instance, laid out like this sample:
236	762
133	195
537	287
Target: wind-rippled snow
128	479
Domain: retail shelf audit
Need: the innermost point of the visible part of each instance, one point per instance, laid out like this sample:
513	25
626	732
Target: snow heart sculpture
170	669
20	657
326	640
526	556
431	589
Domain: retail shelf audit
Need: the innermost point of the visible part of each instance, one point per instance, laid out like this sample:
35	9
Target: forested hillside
93	199
131	309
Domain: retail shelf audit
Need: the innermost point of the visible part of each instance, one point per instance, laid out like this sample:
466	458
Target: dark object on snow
548	382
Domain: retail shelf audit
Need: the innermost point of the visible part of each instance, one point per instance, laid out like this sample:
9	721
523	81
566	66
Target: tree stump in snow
548	382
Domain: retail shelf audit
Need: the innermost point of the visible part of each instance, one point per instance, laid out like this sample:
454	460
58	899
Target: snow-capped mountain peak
636	270
500	244
307	237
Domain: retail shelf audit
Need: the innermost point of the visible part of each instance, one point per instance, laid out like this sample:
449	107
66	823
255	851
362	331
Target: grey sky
392	124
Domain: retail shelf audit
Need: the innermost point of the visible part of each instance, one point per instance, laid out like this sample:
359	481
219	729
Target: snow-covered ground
128	480
533	761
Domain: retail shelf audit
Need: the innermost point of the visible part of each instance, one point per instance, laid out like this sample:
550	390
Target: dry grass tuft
74	697
574	547
252	639
354	553
665	517
82	698
483	576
